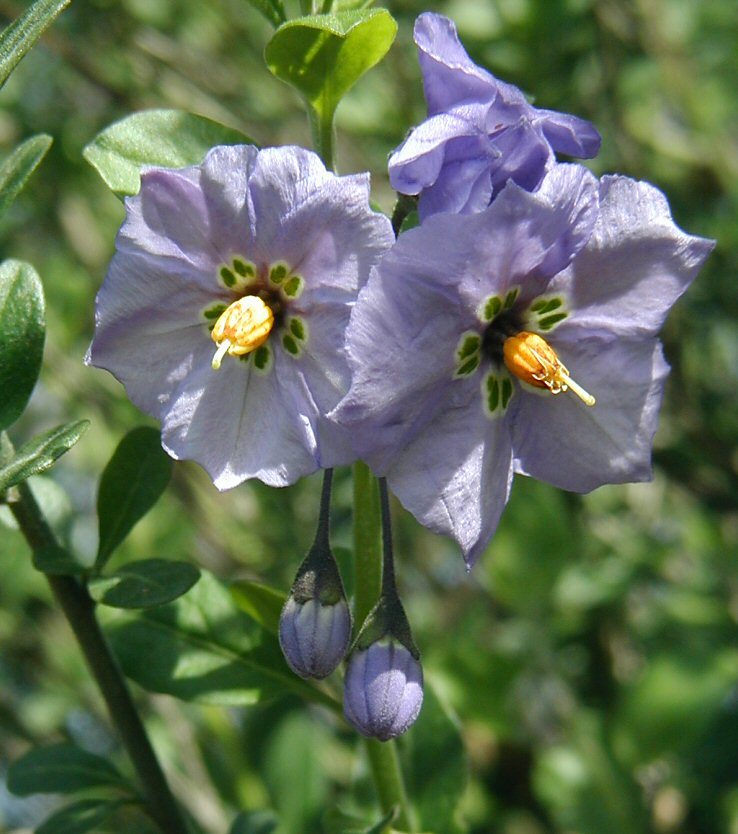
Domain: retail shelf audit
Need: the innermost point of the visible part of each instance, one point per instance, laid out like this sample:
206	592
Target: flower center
530	357
242	327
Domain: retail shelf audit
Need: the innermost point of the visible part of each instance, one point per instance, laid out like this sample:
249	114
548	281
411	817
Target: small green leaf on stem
164	138
18	167
144	584
81	817
41	452
22	34
61	768
323	56
57	561
22	333
131	484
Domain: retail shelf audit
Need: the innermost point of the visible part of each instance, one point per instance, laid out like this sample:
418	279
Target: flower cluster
261	310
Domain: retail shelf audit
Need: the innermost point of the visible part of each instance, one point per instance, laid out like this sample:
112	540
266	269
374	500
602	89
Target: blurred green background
592	654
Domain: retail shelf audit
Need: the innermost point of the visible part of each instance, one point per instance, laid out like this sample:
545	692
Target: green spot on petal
510	298
293	287
547	322
493	393
469	346
262	357
215	312
278	273
290	345
245	269
297	328
492	307
228	278
468	367
244	357
506	390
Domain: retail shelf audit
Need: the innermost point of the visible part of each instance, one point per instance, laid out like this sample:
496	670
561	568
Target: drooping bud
383	688
315	624
244	326
530	357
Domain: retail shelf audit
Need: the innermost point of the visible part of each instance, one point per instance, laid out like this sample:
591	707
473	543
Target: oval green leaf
41	452
81	817
22	332
262	603
22	34
165	138
18	167
61	768
57	561
323	56
203	648
131	484
144	584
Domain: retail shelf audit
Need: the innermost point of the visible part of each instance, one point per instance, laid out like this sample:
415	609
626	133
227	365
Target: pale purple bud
314	636
383	689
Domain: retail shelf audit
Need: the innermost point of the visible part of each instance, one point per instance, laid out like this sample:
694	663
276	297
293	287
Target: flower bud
314	636
383	689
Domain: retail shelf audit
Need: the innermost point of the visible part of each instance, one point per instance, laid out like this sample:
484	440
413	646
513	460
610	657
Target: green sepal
318	576
22	334
387	620
22	34
18	167
40	453
323	56
163	138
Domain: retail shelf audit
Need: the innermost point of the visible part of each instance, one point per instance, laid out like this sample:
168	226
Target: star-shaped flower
519	339
480	131
224	308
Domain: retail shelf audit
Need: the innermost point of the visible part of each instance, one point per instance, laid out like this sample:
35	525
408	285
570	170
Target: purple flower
314	636
472	336
251	260
480	132
383	689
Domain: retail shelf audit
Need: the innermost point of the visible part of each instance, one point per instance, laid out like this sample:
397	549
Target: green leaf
131	484
256	822
18	167
203	648
260	602
273	10
436	766
165	138
144	584
22	332
20	36
80	817
57	561
41	452
61	768
323	56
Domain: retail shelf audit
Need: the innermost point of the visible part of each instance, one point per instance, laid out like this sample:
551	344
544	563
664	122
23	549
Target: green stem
387	775
79	610
367	542
323	135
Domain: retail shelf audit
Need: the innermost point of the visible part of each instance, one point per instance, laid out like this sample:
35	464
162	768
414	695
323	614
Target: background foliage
592	653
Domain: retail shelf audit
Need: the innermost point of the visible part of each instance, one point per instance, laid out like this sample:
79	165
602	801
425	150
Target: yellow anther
243	327
530	357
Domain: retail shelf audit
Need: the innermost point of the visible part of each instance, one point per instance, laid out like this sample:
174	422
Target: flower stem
387	775
368	558
323	134
79	610
367	542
